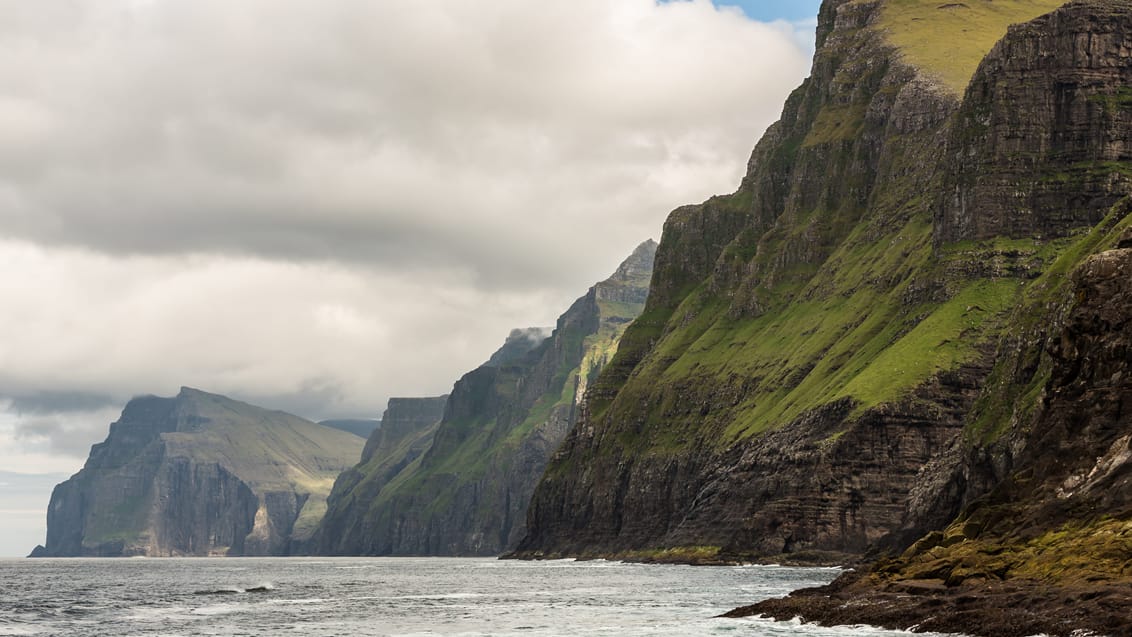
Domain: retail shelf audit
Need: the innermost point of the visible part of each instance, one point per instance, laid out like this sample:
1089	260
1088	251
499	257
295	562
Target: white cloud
317	205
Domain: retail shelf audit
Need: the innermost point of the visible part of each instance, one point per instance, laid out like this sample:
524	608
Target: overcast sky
314	206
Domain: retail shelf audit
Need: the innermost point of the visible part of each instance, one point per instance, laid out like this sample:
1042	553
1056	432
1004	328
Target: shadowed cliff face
815	343
198	474
1042	143
407	430
464	490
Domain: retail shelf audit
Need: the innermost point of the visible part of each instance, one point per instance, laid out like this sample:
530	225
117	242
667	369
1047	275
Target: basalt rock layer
199	474
464	489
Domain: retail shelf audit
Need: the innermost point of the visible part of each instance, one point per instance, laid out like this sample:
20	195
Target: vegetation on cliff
854	348
199	474
461	486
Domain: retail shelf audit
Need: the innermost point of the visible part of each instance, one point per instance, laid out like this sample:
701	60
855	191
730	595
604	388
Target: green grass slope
947	39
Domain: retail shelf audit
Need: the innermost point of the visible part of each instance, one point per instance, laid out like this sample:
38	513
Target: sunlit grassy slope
948	38
269	450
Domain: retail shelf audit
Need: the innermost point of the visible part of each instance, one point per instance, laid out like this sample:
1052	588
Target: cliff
407	429
905	333
1046	549
198	474
815	344
467	492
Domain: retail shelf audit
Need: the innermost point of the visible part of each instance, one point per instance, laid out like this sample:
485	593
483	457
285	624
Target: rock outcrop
199	474
467	492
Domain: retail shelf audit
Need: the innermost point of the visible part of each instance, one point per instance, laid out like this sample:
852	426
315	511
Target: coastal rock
1046	551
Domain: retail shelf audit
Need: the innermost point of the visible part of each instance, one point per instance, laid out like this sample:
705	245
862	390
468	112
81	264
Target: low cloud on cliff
315	206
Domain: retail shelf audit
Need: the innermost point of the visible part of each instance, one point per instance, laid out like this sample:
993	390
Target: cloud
316	205
398	133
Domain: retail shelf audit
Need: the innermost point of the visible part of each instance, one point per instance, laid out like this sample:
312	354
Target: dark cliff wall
1041	145
408	427
815	343
663	455
467	493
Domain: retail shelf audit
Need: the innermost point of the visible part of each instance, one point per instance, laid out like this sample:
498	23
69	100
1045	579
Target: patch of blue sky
771	10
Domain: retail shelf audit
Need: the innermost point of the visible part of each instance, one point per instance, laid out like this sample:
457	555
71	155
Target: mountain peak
518	343
638	265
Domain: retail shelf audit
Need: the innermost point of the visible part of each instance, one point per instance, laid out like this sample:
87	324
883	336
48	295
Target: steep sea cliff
907	329
461	487
198	474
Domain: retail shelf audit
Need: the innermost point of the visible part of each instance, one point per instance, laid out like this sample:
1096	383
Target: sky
316	206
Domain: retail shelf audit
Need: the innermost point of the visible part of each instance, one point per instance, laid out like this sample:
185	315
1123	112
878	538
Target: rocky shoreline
1010	608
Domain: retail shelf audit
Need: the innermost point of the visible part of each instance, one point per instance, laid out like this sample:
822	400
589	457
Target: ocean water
328	597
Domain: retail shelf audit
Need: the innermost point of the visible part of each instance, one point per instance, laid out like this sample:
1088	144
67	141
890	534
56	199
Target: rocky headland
199	474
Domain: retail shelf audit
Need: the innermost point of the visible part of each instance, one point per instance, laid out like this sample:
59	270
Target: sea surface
329	597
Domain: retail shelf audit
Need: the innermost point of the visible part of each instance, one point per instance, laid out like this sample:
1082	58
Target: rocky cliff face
815	344
198	474
1040	145
1045	549
407	429
467	493
908	329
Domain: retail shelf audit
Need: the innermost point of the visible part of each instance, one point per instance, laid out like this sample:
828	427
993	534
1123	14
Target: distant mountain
199	474
460	485
361	427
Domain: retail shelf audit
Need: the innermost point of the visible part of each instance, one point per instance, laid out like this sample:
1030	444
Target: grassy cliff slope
815	343
910	322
